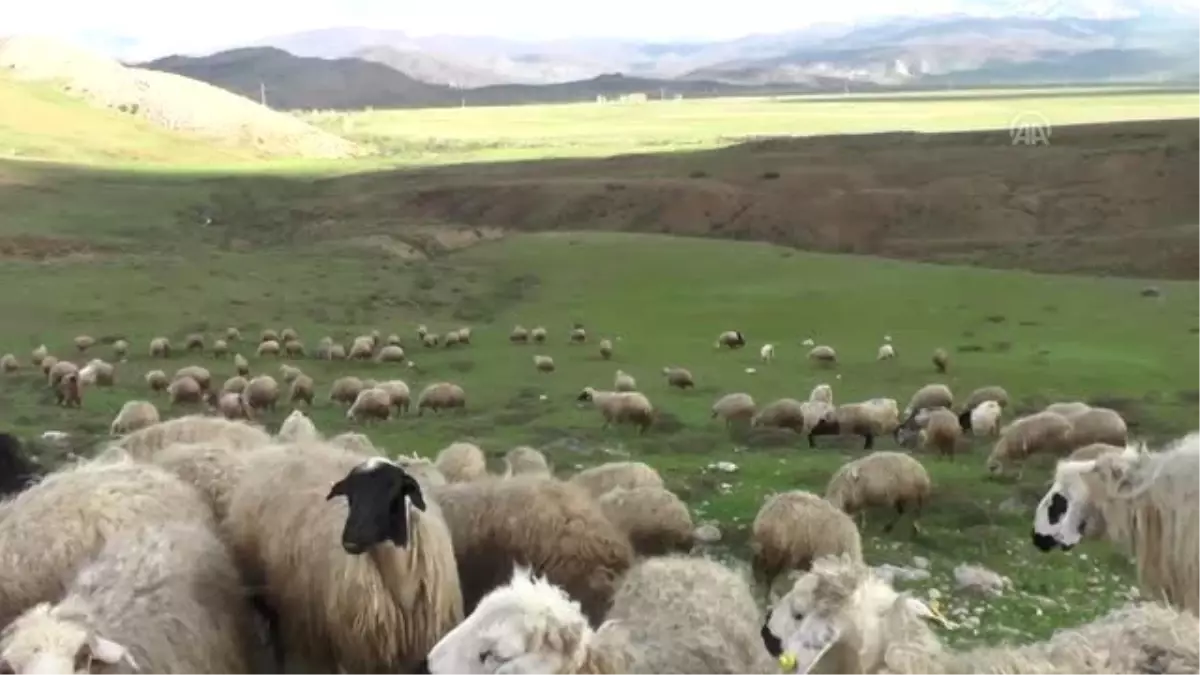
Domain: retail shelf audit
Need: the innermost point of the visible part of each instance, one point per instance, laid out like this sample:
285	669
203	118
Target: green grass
589	129
664	301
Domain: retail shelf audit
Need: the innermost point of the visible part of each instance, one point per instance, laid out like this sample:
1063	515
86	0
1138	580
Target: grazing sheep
1040	433
9	363
623	381
881	479
823	355
544	364
234	385
554	527
268	348
294	349
793	529
261	393
606	349
268	335
232	334
598	480
464	335
876	417
886	352
99	373
113	611
735	408
1068	409
157	380
525	461
297	426
1098	425
988	393
345	389
519	335
200	375
538	335
928	397
84	343
194	343
392	339
823	393
785	413
68	392
17	469
145	443
288	334
941	432
302	391
120	349
288	372
843	618
60	523
38	355
941	360
371	404
362	586
451	339
656	521
229	405
48	364
767	353
461	462
441	396
134	415
732	339
984	419
398	390
241	365
679	377
337	352
220	348
390	354
60	370
578	335
619	407
160	348
362	348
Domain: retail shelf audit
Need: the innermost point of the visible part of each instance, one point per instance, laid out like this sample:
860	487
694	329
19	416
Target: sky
158	27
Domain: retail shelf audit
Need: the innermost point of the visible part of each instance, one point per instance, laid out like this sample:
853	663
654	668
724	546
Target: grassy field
126	254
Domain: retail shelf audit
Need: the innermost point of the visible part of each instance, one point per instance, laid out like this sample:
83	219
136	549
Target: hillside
168	101
423	66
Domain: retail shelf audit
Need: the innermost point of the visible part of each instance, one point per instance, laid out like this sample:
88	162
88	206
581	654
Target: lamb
1149	504
391	354
219	349
241	365
941	360
398	390
941	432
619	407
371	404
157	380
461	462
793	529
823	355
881	479
297	427
145	443
671	615
525	461
261	393
984	419
1098	425
606	349
17	469
1044	432
302	391
120	349
544	364
679	377
160	348
268	348
113	611
134	415
519	335
345	389
875	417
767	353
623	381
553	526
63	521
538	335
197	373
67	393
194	343
886	352
84	343
785	413
598	480
732	339
843	618
738	408
441	396
656	521
368	585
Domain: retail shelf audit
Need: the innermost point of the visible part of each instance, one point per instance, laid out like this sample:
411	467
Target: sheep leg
899	514
870	443
812	441
264	608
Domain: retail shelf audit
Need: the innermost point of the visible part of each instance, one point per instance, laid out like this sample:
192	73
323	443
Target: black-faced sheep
555	527
881	479
620	407
461	462
1040	433
440	396
990	393
656	521
734	409
795	528
679	377
134	415
732	339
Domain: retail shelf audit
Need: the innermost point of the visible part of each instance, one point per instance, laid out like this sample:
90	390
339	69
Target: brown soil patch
33	247
1117	199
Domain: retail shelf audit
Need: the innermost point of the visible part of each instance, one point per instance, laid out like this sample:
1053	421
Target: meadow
125	254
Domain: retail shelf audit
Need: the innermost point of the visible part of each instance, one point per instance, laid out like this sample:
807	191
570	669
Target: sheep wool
886	479
134	415
620	407
1041	433
461	462
737	408
297	427
525	461
371	404
145	443
656	521
346	389
598	480
795	528
441	396
680	378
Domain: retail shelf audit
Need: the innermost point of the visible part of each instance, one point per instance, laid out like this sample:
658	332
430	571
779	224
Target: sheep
553	526
302	391
1068	408
464	335
294	349
431	340
194	343
157	380
160	348
229	405
598	480
360	443
1149	504
158	599
60	370
940	359
234	385
461	462
48	363
345	389
606	349
120	349
268	348
538	335
792	529
679	377
134	415
822	392
875	417
288	372
84	343
9	363
578	335
391	339
623	381
219	349
886	352
738	408
268	335
733	339
365	585
983	419
784	413
1044	432
38	355
288	335
988	393
1093	451
842	617
361	349
326	343
241	365
441	396
261	393
451	339
1098	425
543	364
620	407
60	523
297	427
767	353
519	335
941	432
68	392
823	355
337	352
371	404
398	390
525	461
656	521
197	373
17	468
881	479
927	397
232	334
145	443
390	354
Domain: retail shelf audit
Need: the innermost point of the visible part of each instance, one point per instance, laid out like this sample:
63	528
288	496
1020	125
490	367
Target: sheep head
49	639
379	494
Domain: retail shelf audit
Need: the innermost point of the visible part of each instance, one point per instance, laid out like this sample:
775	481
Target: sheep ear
412	488
338	490
110	652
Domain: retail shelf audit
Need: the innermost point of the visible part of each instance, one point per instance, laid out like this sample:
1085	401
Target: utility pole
262	93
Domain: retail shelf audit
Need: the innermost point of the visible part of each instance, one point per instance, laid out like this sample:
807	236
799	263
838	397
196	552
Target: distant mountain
426	67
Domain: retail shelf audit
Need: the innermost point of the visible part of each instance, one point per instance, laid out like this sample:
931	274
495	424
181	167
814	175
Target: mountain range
983	43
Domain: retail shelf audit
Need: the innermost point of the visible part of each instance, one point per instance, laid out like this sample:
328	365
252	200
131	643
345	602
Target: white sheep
885	479
940	359
822	392
606	349
134	415
157	380
97	372
297	426
984	418
1098	425
732	339
441	396
261	393
371	404
886	352
792	529
823	355
785	413
619	407
623	381
1044	432
927	397
525	461
767	353
398	390
678	377
941	432
460	462
737	408
543	363
869	419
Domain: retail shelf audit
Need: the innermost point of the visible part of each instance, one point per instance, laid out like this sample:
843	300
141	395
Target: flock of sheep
271	552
